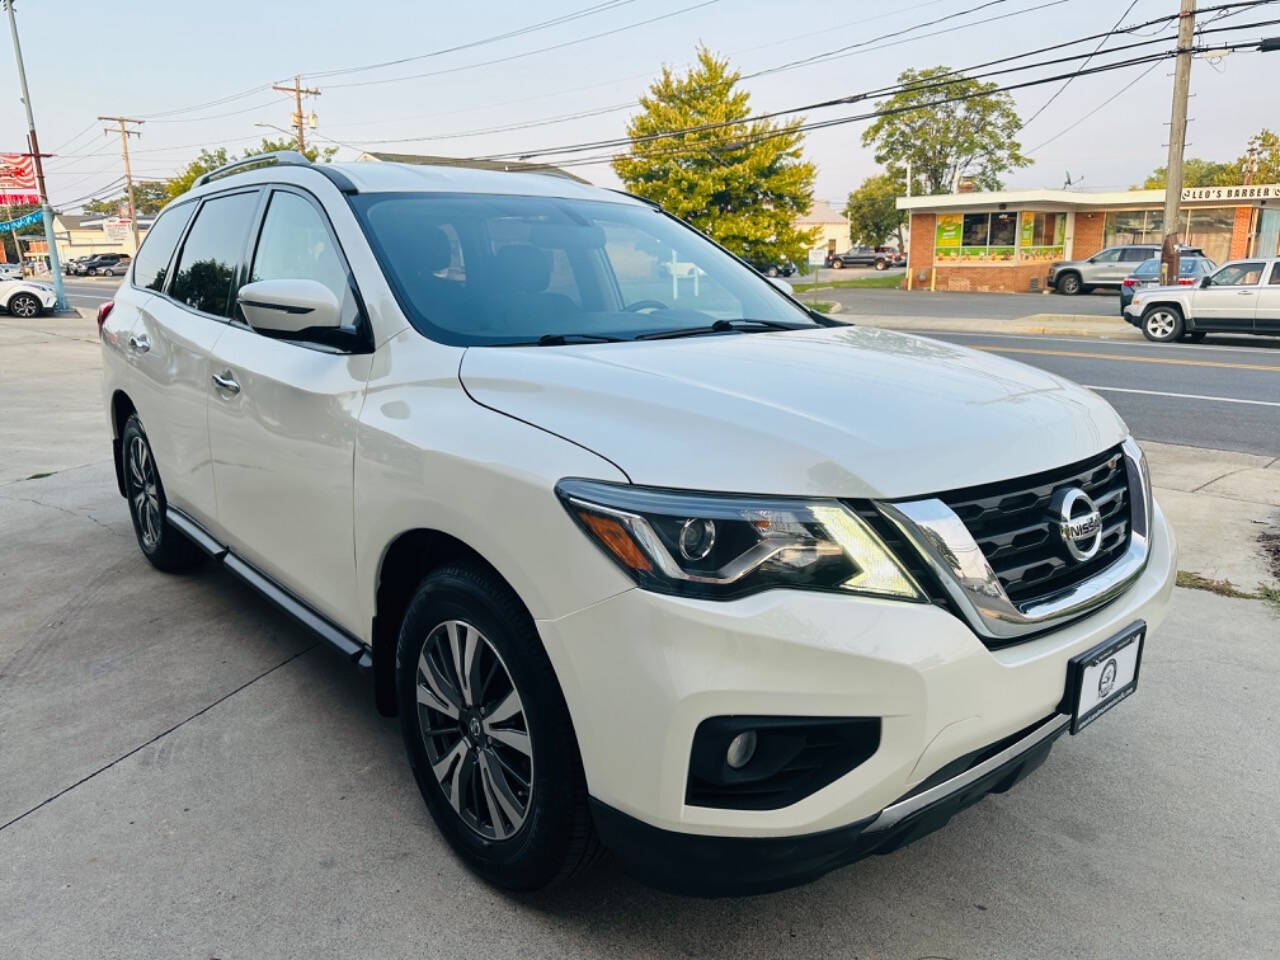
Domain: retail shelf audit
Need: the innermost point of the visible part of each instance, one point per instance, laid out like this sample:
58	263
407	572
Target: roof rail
284	158
635	196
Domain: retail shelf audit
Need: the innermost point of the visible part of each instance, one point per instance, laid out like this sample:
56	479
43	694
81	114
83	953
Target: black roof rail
284	158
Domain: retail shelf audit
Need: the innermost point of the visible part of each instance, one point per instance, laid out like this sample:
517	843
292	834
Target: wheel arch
121	409
410	556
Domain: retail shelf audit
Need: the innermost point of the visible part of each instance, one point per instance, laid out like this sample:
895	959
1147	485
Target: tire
538	830
1162	324
882	265
25	305
1069	284
1195	336
837	264
160	542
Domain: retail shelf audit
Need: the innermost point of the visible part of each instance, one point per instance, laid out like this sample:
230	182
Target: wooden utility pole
125	134
1177	142
298	91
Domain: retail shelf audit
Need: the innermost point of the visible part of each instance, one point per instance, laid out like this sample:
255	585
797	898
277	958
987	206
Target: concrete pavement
186	773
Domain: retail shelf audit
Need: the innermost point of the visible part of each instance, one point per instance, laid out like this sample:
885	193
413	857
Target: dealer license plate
1100	678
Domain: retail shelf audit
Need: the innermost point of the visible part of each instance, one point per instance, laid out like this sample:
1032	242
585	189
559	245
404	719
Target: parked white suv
668	563
1242	296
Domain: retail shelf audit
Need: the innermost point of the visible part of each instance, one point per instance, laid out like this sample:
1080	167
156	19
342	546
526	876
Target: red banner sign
17	179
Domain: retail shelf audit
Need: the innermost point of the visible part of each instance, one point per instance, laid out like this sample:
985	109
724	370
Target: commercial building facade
1005	240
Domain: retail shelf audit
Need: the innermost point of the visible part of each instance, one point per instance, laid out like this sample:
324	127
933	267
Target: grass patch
889	282
822	306
1225	588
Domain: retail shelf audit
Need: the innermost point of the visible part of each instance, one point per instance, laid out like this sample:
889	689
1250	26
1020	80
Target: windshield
486	269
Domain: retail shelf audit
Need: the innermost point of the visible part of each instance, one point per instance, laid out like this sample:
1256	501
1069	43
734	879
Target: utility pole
125	134
297	119
34	148
1177	142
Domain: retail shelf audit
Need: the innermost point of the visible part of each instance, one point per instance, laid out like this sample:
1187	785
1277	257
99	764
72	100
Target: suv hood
850	412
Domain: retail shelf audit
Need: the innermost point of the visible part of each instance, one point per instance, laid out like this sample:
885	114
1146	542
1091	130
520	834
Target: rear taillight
104	311
1130	282
1186	281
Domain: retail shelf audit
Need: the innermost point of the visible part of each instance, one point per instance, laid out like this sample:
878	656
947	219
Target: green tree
149	196
873	213
1195	173
974	139
213	159
742	184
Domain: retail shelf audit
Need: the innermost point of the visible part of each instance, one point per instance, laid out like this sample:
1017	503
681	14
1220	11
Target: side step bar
313	620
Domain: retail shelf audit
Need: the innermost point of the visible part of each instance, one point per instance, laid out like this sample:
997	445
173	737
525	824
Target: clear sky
147	57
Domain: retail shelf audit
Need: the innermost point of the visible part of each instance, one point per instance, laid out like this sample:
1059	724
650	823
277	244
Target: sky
149	58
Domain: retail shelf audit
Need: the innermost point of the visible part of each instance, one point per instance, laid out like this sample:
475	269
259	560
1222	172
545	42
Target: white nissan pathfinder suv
646	558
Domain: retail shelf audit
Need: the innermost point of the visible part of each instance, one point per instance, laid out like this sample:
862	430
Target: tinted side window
1110	255
1275	274
157	249
207	264
295	244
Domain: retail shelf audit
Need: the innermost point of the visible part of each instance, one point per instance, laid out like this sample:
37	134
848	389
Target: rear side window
1135	254
295	244
157	249
209	259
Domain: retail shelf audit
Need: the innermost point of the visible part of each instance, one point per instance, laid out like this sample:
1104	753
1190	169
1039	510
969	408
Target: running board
314	621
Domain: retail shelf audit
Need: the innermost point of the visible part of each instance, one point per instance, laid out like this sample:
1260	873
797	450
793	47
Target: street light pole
54	266
1177	142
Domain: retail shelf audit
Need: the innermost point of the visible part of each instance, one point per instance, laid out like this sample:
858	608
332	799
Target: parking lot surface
186	773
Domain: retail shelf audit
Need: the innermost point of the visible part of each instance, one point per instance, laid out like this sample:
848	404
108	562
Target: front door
1229	298
1266	318
282	423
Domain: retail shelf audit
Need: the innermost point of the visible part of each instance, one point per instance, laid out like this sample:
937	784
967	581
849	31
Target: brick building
1005	240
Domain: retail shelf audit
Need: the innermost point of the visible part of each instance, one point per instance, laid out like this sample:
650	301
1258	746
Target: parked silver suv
1106	268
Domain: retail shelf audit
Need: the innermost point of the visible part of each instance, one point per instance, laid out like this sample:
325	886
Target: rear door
1266	317
1230	300
282	419
176	329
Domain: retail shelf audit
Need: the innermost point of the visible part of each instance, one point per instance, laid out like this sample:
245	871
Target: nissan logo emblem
1079	523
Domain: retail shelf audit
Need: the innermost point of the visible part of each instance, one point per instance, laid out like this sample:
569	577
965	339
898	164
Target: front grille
1012	524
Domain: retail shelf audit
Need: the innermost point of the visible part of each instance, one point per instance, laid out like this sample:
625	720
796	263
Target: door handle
139	343
1245	293
226	381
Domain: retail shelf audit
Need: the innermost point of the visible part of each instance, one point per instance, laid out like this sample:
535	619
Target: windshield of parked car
487	269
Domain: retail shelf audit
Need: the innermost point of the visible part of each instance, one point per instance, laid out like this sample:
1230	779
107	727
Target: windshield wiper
741	325
563	339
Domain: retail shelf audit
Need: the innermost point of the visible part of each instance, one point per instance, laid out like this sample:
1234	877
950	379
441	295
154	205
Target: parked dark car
72	267
1147	274
882	258
774	268
102	264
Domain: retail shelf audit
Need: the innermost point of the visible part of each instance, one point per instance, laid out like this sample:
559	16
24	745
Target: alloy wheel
144	492
474	729
24	306
1161	324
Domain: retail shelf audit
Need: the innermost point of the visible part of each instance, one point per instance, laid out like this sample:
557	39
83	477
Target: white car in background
697	574
1242	296
26	298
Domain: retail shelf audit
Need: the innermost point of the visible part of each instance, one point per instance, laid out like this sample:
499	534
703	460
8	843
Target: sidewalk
1038	324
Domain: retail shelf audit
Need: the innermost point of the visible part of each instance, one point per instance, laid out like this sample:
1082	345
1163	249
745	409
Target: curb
1034	325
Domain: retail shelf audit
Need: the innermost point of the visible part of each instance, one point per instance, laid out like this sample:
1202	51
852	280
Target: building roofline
1078	199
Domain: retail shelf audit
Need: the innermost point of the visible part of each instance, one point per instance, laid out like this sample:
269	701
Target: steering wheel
645	305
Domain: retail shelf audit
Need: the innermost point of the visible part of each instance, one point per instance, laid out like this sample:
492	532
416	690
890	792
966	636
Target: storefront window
975	237
976	229
1206	227
1041	236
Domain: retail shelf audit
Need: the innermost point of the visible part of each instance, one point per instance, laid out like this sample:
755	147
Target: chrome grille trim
949	549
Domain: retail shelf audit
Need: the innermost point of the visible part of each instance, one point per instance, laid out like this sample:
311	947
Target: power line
510	34
1110	99
1057	93
528	53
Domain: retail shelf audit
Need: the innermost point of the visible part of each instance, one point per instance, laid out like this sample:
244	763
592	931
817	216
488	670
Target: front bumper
640	671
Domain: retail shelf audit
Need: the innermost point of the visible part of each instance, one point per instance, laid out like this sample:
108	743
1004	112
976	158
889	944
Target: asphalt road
1223	393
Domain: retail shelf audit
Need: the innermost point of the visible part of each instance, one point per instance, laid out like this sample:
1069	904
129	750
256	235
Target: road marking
1106	356
1183	396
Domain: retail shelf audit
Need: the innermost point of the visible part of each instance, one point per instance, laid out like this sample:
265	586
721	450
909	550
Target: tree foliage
873	213
149	196
1262	154
212	159
743	184
974	139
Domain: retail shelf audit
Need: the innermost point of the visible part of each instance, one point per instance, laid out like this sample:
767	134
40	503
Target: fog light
741	749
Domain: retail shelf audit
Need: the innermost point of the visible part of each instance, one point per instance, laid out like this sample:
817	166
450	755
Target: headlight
722	546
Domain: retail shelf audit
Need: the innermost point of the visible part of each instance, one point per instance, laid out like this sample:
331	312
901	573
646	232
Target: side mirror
289	306
1205	281
782	285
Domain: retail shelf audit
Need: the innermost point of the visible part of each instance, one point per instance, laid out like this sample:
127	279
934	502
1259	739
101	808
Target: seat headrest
525	267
